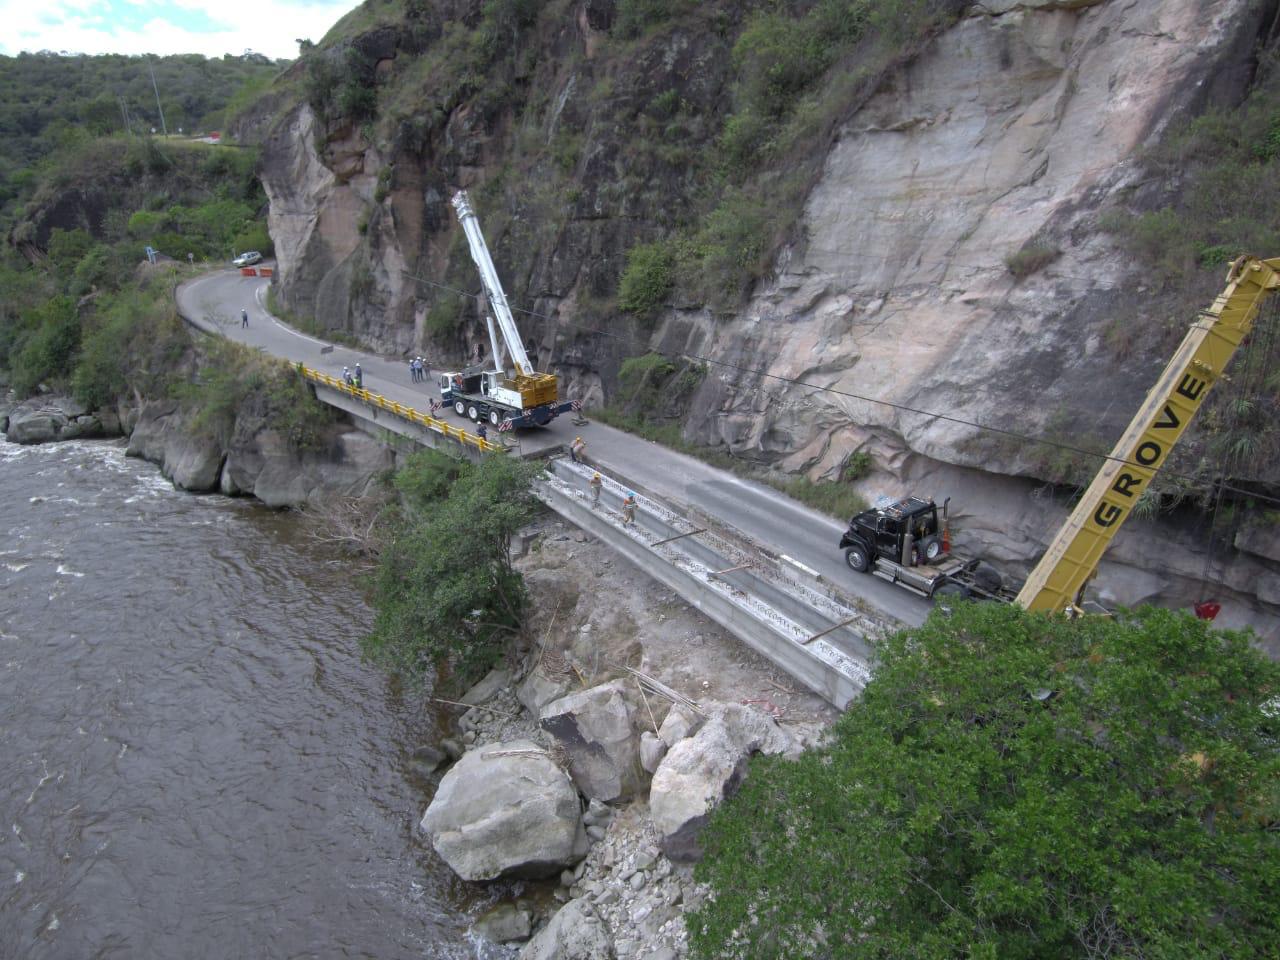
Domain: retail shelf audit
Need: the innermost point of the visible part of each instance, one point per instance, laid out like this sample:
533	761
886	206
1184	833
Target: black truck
908	544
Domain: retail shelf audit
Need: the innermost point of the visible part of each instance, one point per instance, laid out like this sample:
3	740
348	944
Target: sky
209	27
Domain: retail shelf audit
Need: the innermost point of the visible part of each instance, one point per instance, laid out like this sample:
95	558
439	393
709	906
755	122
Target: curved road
213	302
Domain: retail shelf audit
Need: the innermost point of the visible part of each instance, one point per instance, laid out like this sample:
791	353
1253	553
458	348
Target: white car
247	259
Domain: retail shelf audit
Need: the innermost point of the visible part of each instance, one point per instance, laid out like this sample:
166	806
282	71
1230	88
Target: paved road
762	513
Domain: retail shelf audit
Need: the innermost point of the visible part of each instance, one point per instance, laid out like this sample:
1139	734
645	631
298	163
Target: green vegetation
647	282
632	18
447	596
1016	786
88	315
82	310
52	103
1220	177
797	74
1033	257
233	381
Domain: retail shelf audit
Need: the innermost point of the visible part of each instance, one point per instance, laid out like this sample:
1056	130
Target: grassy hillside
50	103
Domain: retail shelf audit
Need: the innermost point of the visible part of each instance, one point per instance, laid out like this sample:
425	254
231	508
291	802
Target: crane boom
492	285
1073	555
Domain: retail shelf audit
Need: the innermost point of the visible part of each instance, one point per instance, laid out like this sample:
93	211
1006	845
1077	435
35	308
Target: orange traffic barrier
264	271
248	272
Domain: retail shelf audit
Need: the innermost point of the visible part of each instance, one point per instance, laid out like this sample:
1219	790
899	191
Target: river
194	762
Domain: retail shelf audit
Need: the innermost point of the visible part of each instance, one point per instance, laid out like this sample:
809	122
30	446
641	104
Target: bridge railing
434	424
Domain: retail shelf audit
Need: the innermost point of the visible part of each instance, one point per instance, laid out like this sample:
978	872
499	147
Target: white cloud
270	27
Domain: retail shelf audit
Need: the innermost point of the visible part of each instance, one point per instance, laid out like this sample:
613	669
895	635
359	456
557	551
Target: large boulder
29	424
701	770
84	427
192	463
576	932
267	467
595	729
506	810
153	422
539	688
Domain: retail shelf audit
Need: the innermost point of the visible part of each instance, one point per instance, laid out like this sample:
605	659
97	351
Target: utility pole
163	128
124	112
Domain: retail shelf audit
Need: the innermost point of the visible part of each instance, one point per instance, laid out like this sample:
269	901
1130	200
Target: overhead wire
879	401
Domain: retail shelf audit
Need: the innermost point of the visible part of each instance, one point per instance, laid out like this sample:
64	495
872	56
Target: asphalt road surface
763	514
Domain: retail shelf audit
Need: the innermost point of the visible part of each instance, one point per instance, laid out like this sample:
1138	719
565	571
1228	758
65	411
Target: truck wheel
952	589
473	412
857	559
494	419
459	408
930	548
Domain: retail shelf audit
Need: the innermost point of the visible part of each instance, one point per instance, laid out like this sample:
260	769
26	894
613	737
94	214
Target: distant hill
50	100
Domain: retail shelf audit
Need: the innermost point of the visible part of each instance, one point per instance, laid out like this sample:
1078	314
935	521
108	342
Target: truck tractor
906	544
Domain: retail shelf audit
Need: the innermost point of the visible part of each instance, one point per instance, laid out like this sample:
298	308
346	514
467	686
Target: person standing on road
346	376
629	509
244	319
482	431
576	449
595	483
358	376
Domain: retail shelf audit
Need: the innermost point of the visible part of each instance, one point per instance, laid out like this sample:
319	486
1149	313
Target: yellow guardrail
400	410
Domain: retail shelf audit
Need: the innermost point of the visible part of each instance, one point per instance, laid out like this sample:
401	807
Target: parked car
247	259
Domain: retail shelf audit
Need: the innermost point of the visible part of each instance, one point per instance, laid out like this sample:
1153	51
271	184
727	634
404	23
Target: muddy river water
194	762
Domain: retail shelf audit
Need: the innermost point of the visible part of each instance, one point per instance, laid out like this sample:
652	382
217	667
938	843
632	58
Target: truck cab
905	532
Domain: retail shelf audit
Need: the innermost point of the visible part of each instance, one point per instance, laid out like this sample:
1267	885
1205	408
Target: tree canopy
1012	785
446	592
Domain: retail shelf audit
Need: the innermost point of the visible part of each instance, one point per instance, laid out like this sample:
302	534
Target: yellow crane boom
1072	557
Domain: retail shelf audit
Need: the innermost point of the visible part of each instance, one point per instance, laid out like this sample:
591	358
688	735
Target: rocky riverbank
591	758
256	461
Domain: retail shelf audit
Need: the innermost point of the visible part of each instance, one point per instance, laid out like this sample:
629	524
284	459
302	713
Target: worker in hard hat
595	483
576	448
629	509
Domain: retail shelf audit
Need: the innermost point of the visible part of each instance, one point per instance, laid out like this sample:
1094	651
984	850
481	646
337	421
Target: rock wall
1011	131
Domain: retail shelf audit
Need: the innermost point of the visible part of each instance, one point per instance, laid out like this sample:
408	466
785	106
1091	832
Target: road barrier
264	271
433	424
248	272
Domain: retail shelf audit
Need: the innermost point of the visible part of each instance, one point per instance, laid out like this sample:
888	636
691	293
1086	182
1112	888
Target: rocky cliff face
1005	137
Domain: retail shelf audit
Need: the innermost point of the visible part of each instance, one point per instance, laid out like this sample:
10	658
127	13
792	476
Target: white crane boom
492	285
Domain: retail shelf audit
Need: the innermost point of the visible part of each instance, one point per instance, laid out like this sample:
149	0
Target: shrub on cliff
446	593
1017	786
647	281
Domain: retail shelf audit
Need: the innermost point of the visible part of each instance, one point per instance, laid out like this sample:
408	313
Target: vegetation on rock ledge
446	592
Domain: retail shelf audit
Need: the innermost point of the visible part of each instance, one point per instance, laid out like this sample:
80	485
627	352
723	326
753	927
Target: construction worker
576	448
595	483
629	509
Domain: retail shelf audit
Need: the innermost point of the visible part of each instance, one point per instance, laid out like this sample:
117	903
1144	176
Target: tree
1018	786
446	593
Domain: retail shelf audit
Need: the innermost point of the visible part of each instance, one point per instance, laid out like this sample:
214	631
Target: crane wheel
473	412
857	559
494	419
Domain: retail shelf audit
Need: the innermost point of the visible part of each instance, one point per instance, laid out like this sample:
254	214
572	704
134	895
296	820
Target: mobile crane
526	398
906	544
